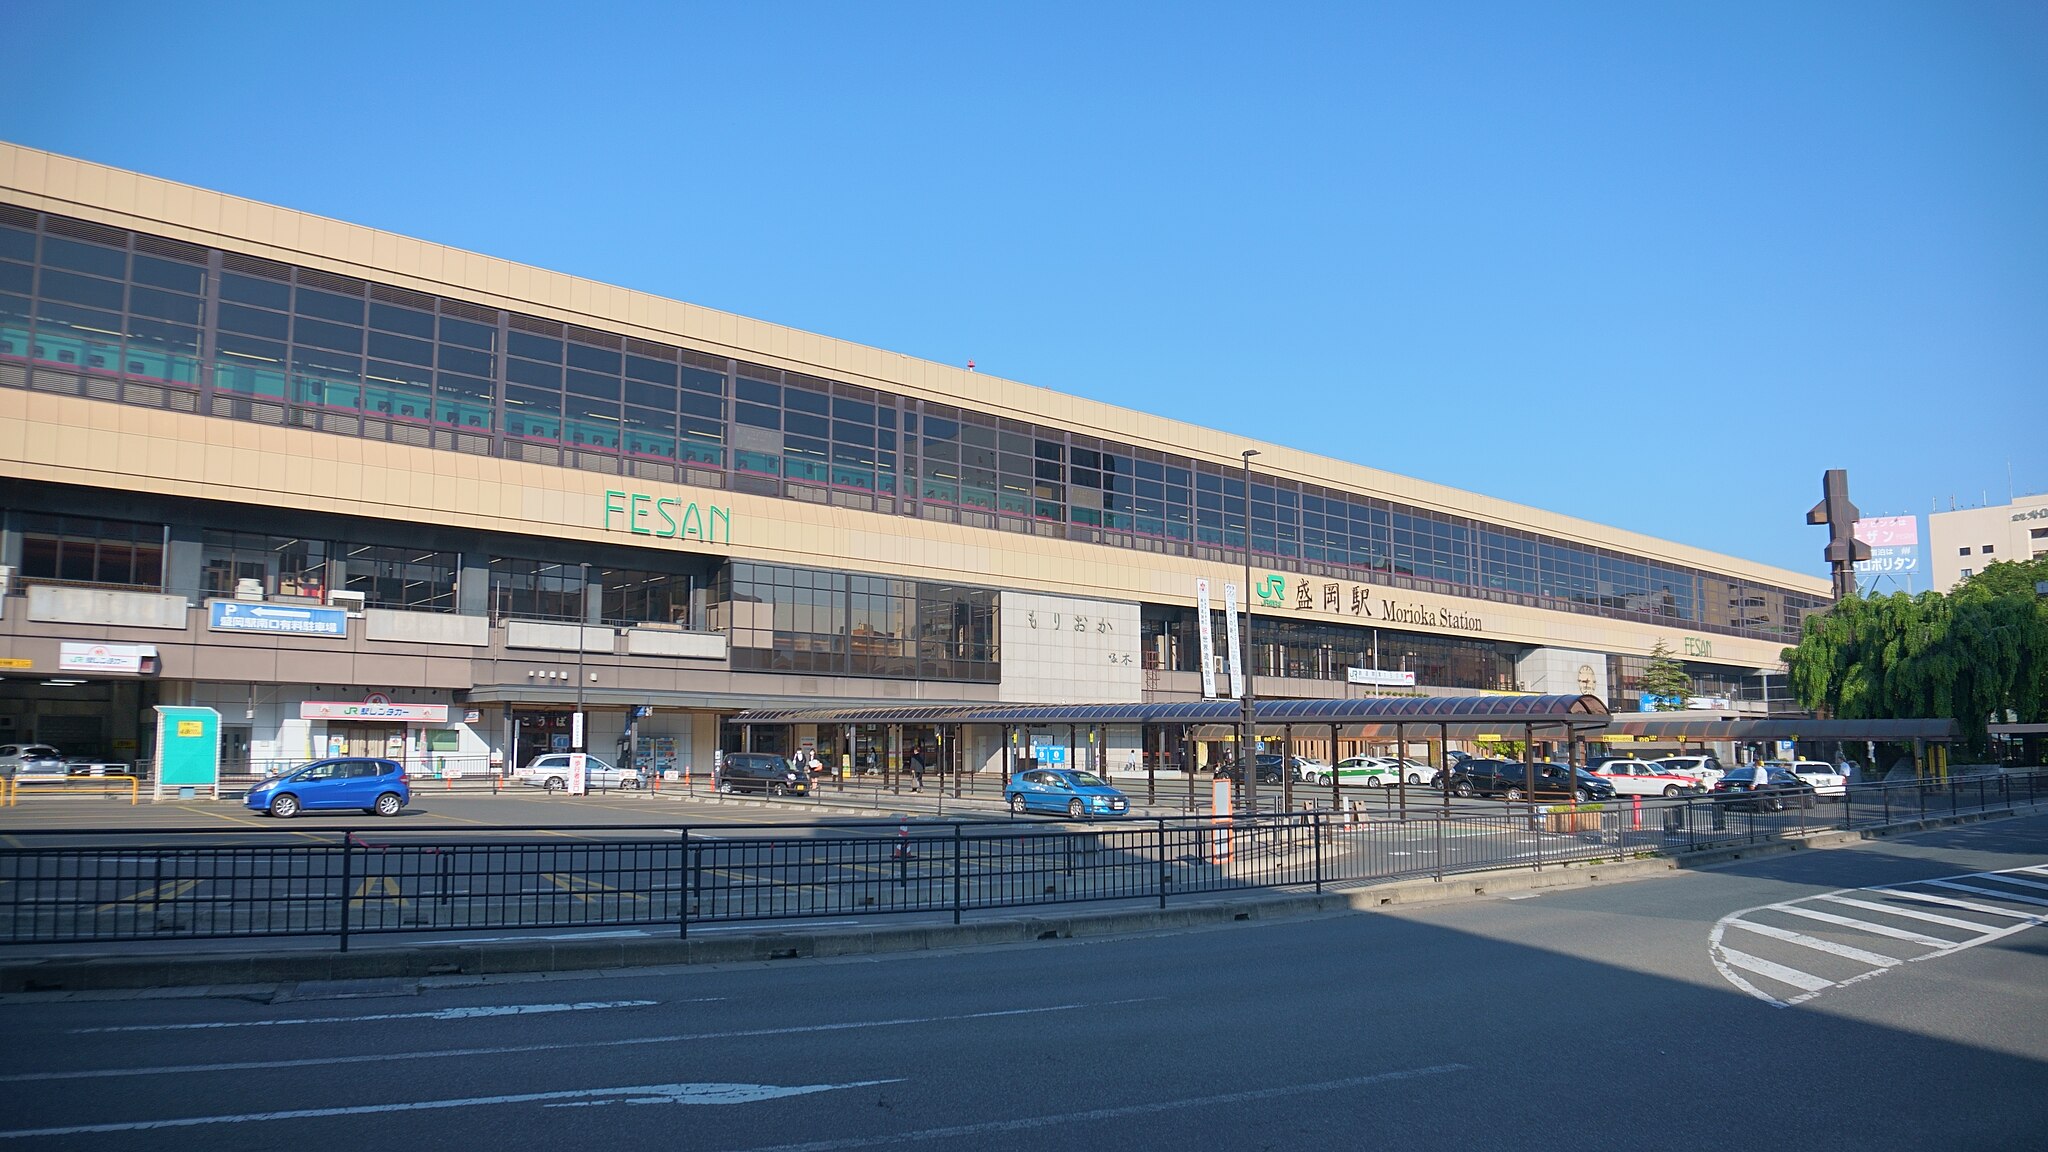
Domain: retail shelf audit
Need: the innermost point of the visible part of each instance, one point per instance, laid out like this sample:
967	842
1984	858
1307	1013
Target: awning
1509	713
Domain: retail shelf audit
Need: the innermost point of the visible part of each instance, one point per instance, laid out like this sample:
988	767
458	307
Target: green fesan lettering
662	506
639	514
613	502
693	524
718	514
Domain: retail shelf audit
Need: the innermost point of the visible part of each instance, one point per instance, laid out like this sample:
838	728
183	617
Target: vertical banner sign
1208	640
579	774
1236	655
576	733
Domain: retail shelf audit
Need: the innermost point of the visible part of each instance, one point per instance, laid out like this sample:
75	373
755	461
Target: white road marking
518	1049
1815	942
1952	902
1862	925
2015	896
1729	961
2002	878
1912	914
1804	981
440	1014
635	1094
1096	1115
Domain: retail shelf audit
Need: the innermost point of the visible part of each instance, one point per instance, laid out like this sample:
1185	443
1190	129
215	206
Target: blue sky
1655	265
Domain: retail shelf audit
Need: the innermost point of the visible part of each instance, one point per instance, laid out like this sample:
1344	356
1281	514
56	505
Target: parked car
1509	779
1825	779
1705	769
551	771
365	785
94	766
31	760
1269	770
1645	778
1077	793
762	772
1379	772
1780	790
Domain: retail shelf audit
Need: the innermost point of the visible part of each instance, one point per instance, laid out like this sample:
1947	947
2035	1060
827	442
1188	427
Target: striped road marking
475	1013
1782	979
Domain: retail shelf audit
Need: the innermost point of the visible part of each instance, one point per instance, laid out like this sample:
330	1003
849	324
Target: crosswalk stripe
1864	925
2015	896
1965	905
1913	913
1815	942
1804	981
2002	878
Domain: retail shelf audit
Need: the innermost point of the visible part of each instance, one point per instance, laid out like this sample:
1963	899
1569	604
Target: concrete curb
102	973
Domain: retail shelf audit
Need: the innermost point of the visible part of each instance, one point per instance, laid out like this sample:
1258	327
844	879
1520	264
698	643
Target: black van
762	772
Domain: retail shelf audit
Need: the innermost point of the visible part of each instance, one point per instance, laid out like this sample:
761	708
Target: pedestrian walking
917	768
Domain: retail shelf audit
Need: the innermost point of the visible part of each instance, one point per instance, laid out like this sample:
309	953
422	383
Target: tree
2007	577
1973	656
1665	679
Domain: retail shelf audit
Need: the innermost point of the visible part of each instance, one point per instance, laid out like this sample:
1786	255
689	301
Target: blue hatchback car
1072	791
365	785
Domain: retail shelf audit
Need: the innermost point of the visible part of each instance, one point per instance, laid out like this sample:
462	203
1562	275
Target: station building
362	493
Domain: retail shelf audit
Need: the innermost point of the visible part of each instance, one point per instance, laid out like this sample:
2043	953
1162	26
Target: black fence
154	885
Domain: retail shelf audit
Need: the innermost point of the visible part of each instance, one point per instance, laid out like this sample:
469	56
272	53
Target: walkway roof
1378	711
1698	726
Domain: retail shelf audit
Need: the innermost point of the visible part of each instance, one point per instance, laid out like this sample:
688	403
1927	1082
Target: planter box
1569	821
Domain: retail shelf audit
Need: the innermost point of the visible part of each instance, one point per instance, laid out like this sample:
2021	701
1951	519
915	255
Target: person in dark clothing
917	768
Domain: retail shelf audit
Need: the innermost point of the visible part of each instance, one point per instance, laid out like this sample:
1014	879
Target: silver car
32	760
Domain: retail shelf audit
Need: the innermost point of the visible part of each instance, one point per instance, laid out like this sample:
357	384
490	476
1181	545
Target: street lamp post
1247	744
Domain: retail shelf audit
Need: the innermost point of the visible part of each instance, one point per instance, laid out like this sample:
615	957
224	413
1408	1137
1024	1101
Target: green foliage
1972	656
1665	677
2007	578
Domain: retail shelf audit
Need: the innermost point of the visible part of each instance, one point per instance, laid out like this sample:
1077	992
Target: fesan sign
666	517
376	707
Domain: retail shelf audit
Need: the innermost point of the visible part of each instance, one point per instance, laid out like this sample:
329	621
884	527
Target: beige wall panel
378	671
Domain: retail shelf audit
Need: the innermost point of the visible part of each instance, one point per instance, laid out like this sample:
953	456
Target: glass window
401	578
593	385
86	550
651	395
651	371
321	334
328	306
532	374
251	290
465	360
404	321
79	256
590	359
533	347
75	289
468	334
699	380
16	244
758	392
161	305
535	590
634	597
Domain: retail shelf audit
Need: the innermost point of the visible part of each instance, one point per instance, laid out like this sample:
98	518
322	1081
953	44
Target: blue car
365	785
1077	793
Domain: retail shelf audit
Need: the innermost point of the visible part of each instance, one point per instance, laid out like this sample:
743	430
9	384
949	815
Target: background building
1969	540
364	492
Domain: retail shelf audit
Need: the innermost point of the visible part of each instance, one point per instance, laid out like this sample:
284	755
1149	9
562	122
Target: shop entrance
538	733
381	740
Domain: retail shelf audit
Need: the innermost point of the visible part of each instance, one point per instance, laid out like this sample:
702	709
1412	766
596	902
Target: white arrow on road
632	1094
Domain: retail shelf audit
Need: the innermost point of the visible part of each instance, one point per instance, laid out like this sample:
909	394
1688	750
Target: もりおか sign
256	616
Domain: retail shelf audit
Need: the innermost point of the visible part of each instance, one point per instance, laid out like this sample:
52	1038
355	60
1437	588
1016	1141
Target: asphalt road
1717	1008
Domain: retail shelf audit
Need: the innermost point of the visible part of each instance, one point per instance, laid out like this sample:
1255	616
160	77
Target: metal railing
72	887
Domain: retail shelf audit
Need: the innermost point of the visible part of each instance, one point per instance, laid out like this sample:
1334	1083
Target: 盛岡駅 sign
666	517
1352	600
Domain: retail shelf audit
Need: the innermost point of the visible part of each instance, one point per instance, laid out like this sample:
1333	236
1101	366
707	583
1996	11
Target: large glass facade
1312	650
783	619
90	550
141	319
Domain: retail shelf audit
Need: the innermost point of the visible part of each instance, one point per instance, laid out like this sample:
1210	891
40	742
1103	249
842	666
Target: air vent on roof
706	361
175	249
811	382
853	392
650	349
386	294
255	266
19	217
535	325
314	278
469	311
758	371
85	230
593	337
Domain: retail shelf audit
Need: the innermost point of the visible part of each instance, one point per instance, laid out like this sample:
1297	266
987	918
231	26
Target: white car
551	771
1705	769
1825	779
1378	772
1645	778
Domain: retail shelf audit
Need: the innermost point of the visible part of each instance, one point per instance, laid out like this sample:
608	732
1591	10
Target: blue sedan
1077	793
365	785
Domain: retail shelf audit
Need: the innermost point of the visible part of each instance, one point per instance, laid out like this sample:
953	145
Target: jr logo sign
1272	591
